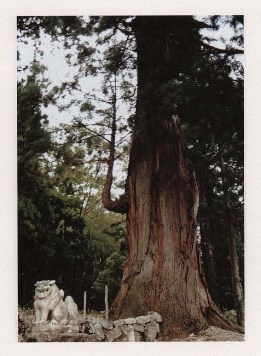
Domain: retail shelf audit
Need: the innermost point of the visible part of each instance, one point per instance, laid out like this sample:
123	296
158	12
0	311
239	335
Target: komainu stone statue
52	313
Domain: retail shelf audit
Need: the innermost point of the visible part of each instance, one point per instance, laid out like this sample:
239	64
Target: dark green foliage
54	240
30	26
112	267
34	207
87	106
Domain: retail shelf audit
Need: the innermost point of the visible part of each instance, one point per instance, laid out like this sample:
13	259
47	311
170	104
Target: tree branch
124	31
215	50
118	205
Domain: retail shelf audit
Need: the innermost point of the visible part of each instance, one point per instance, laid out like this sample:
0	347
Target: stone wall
141	328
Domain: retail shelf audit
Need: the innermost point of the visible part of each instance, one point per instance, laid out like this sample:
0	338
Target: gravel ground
214	334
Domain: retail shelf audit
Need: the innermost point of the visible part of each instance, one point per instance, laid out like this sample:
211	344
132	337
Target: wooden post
84	303
106	302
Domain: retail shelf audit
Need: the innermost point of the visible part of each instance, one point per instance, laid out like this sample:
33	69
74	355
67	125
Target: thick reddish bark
207	243
162	271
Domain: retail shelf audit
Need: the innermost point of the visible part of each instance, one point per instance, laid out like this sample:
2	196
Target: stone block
118	323
151	331
129	321
138	336
143	319
157	328
91	329
155	316
98	330
105	323
59	337
113	334
53	327
139	328
131	334
38	328
127	328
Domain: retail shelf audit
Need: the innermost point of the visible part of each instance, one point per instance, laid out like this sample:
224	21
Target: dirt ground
214	334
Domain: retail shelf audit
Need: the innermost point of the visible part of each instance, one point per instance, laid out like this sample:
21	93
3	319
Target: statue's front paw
43	322
53	322
36	322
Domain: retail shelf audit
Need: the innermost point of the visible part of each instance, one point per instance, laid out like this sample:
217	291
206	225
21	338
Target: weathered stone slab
113	334
143	319
138	336
55	328
151	331
155	316
92	320
128	331
105	323
124	329
118	323
60	337
139	328
91	329
131	334
37	328
98	330
157	328
82	319
130	321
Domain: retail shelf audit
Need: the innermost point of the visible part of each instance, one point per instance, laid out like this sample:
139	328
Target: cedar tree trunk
207	243
236	281
162	268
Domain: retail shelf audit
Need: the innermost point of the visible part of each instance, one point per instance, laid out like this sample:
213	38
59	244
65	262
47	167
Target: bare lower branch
229	51
117	205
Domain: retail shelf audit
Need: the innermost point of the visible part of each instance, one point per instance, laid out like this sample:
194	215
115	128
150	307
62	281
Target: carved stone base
60	337
49	327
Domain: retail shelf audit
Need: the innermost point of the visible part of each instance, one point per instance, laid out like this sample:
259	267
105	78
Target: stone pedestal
49	327
60	337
